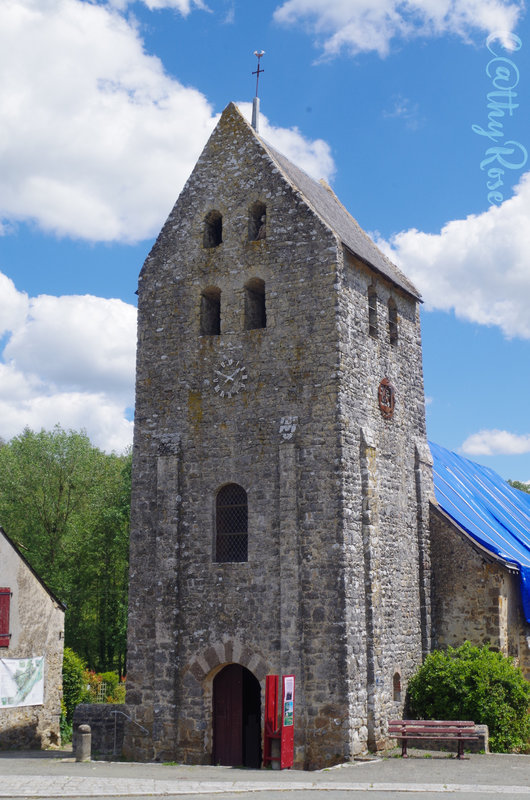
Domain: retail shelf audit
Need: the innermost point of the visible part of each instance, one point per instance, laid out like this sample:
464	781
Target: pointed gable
319	198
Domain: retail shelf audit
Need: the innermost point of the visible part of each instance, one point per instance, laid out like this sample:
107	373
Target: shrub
475	683
73	682
111	679
64	726
104	687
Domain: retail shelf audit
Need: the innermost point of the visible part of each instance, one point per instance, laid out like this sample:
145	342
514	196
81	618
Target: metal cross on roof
259	54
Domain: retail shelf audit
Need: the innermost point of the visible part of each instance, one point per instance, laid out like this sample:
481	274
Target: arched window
231	524
372	311
257	222
396	687
392	321
213	229
211	311
255	313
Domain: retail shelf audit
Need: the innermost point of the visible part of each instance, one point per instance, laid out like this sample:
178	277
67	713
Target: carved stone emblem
288	427
386	398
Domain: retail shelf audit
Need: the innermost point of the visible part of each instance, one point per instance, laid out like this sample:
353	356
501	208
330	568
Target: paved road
56	775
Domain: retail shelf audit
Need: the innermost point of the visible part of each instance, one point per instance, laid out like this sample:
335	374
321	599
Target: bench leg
404	748
460	748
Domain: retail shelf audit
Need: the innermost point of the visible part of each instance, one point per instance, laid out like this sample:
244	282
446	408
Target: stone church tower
281	477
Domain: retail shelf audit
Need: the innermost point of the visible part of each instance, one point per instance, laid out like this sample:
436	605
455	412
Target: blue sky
107	105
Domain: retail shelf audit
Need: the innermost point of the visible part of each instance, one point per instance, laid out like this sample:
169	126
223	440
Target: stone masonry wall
37	629
476	598
107	723
188	614
387	486
336	494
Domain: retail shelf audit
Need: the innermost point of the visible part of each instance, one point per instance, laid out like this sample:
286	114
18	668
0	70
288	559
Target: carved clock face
229	378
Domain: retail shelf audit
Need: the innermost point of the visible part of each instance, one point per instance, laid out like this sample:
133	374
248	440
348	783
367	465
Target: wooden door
228	716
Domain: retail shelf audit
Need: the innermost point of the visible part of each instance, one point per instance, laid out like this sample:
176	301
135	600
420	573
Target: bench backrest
409	726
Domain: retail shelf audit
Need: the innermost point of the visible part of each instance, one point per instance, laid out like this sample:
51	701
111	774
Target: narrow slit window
231	524
396	686
211	311
213	229
255	311
257	222
372	312
392	321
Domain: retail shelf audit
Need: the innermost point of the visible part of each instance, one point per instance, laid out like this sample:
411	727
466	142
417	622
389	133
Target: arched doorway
236	718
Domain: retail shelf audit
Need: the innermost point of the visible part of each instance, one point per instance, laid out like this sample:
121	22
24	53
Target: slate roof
487	508
326	204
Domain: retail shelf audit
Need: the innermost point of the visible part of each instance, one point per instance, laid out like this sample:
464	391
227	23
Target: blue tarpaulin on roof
487	508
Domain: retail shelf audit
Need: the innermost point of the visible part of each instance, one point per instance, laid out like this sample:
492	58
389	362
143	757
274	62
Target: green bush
474	683
73	682
104	687
64	726
112	680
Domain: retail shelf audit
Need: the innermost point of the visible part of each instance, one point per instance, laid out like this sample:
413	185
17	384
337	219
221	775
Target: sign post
282	729
287	730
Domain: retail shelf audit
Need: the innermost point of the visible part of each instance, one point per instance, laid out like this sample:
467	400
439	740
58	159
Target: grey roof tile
326	204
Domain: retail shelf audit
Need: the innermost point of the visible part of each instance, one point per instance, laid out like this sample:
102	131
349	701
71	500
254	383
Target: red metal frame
271	718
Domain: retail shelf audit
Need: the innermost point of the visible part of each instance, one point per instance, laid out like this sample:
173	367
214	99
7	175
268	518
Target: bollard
83	744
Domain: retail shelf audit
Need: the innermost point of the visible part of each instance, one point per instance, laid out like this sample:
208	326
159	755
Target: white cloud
495	442
405	110
68	360
99	416
77	342
96	140
13	305
476	266
364	25
184	7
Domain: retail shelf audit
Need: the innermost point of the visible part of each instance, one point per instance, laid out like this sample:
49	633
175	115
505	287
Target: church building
281	473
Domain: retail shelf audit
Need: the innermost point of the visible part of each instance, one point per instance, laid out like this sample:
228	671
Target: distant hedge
73	682
479	684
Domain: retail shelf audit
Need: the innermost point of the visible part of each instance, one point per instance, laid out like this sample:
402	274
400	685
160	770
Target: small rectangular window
5	602
372	312
231	512
392	322
213	230
257	222
255	311
211	312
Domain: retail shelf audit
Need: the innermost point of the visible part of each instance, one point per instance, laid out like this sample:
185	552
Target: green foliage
67	505
523	487
65	727
73	683
106	687
474	683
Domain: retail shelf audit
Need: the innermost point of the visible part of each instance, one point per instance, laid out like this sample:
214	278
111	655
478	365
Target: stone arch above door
228	652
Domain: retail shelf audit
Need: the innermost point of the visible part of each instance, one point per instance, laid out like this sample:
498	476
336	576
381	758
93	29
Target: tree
523	487
67	504
97	626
